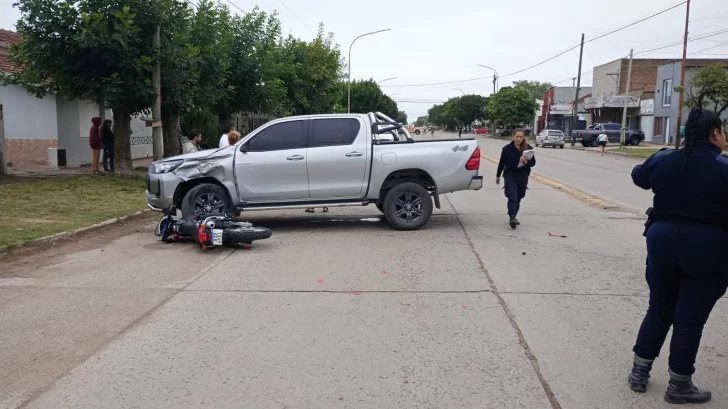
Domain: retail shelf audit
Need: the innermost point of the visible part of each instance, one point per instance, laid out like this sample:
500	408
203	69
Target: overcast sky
438	41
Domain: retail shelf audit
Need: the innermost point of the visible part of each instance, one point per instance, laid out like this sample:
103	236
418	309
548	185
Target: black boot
640	375
516	220
681	390
513	222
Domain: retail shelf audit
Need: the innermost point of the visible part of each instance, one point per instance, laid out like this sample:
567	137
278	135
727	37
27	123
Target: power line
711	48
236	6
636	22
541	63
436	83
294	15
700	37
547	60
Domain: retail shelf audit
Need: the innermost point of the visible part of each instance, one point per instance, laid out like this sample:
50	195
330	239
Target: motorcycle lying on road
208	230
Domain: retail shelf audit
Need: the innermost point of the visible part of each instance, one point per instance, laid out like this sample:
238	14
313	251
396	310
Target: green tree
468	108
91	49
421	121
366	96
510	107
195	61
313	73
401	117
709	89
535	89
387	106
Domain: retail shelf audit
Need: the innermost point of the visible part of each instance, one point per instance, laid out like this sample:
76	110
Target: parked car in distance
588	136
416	129
550	137
481	131
319	161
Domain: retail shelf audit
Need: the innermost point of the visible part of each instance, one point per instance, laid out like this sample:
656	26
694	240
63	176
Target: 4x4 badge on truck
460	148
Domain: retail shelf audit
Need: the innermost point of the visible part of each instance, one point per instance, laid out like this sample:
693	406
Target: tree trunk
171	134
122	139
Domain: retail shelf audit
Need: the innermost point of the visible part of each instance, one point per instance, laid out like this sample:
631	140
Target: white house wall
30	125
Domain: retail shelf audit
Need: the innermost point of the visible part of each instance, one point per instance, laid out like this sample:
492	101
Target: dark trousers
108	160
515	190
687	273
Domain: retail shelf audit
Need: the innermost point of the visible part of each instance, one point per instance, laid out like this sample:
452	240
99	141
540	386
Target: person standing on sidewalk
94	141
107	140
516	177
686	234
602	141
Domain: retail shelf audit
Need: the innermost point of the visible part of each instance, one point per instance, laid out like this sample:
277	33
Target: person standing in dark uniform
516	178
686	237
107	140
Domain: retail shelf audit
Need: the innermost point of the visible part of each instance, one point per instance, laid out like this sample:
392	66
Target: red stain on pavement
356	293
320	281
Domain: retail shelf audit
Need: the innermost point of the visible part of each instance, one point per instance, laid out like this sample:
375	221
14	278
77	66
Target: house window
667	93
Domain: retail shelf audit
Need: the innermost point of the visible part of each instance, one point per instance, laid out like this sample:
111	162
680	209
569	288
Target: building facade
32	129
609	90
557	109
665	126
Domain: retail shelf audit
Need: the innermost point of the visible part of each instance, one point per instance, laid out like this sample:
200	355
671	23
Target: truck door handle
295	157
350	154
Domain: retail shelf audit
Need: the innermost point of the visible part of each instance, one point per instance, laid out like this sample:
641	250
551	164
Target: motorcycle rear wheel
245	235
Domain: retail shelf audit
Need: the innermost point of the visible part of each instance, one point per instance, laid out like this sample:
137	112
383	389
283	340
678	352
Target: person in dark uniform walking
516	178
686	268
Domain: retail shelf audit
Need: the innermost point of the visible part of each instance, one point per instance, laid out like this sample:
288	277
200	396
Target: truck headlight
165	167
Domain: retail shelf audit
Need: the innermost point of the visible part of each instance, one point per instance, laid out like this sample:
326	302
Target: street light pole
458	89
495	86
495	78
348	94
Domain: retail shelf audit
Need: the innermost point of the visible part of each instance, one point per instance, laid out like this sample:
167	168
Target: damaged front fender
205	167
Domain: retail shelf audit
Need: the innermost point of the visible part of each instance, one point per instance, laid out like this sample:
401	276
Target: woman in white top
224	138
602	141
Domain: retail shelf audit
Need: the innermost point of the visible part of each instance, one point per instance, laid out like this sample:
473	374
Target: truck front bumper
476	183
160	190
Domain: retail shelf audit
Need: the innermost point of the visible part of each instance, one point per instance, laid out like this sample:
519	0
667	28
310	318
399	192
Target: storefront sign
612	101
647	107
591	102
561	109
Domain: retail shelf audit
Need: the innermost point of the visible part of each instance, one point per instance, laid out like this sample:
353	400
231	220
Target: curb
61	235
576	193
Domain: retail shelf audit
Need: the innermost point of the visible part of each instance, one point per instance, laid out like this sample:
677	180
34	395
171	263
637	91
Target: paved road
339	311
607	177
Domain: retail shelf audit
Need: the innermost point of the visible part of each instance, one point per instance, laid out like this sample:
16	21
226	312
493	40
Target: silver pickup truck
320	161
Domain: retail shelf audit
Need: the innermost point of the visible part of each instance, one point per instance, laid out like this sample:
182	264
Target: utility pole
157	144
575	108
682	78
626	100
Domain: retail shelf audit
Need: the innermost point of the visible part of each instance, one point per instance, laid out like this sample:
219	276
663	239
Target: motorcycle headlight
165	167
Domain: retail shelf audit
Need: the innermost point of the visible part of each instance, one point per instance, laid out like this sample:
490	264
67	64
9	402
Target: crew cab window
334	131
278	137
612	127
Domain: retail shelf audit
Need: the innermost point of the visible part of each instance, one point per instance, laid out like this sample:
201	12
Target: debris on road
557	235
356	293
320	281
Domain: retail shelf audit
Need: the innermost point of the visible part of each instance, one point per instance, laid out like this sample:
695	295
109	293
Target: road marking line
571	191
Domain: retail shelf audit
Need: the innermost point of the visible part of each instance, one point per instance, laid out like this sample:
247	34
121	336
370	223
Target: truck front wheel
408	206
204	199
635	141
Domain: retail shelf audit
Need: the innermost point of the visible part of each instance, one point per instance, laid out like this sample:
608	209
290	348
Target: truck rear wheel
204	199
408	206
